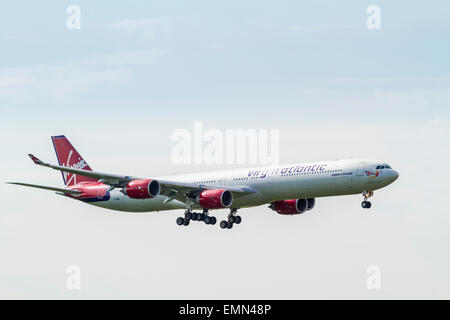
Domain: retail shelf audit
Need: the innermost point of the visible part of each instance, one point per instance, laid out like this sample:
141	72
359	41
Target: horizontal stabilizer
63	190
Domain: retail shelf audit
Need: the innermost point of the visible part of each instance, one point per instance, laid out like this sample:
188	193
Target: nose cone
394	175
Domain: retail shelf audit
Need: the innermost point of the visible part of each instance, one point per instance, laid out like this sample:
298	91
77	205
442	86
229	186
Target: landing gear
226	224
223	224
210	220
196	216
207	219
188	215
232	219
366	204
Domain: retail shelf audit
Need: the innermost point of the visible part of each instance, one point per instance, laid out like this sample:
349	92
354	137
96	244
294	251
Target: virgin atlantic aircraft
289	190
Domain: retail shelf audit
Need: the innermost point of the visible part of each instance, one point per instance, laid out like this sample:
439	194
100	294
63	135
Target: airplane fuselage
301	180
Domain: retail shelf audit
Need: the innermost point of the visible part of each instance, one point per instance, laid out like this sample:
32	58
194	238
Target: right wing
61	190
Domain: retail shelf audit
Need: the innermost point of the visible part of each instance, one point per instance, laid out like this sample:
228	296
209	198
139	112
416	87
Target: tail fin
68	156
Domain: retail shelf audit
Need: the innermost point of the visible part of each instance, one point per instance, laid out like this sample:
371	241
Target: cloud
25	84
316	28
148	28
7	37
142	57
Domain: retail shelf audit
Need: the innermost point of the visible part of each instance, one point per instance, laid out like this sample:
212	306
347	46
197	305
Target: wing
181	190
171	189
107	178
59	190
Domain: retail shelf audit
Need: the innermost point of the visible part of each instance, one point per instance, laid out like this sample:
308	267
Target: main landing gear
196	216
366	204
232	219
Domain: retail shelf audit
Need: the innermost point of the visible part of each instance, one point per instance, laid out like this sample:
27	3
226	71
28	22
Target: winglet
35	159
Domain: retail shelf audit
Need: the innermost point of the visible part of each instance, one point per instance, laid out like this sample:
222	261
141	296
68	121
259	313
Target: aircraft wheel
207	220
180	221
212	220
186	222
237	219
195	216
231	219
223	224
229	225
366	204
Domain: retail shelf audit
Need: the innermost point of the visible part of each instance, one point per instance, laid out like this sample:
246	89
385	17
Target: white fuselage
302	180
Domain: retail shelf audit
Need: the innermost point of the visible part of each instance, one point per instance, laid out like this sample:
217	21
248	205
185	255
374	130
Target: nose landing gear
366	204
232	219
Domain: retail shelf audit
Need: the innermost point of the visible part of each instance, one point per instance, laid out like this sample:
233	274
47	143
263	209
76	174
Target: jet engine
142	189
311	203
291	206
215	199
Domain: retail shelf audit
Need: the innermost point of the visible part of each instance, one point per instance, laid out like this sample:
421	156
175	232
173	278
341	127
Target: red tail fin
68	156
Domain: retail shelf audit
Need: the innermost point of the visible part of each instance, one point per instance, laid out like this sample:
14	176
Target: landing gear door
360	169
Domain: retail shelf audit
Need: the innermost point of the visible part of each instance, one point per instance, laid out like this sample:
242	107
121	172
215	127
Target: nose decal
372	174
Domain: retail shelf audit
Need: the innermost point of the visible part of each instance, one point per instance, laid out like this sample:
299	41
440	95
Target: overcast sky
135	72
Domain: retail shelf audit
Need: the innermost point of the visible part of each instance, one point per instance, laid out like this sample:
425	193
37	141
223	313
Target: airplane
289	190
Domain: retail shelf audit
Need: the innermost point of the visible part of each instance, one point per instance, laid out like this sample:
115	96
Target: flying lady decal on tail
65	150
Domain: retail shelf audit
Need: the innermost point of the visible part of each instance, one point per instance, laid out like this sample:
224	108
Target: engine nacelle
311	203
215	199
90	191
142	189
291	206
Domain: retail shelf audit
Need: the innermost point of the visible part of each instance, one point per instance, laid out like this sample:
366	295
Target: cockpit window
385	166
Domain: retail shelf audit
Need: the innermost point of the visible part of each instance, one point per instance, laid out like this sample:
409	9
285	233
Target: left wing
182	190
107	178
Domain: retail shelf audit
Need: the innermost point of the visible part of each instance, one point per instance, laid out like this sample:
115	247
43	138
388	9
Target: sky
133	73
